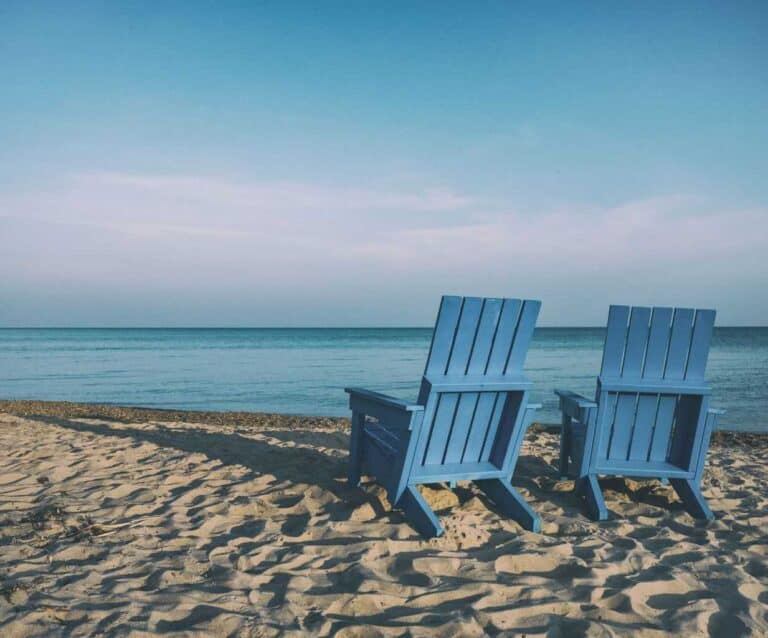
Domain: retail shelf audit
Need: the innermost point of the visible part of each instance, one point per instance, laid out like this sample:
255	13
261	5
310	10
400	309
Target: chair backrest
652	383
475	362
665	345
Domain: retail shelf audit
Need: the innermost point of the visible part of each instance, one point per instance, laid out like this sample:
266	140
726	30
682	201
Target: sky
344	164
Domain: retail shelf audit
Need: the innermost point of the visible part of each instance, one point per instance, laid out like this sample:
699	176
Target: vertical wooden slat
673	431
665	418
606	419
615	338
505	332
356	448
637	341
679	343
461	423
658	341
645	419
522	418
442	337
479	427
622	426
522	336
701	454
465	336
702	336
431	404
486	331
493	426
441	427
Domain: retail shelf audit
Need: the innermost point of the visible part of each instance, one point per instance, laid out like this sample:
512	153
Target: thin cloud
648	233
125	232
278	195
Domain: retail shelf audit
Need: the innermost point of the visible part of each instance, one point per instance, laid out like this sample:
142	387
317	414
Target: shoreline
30	408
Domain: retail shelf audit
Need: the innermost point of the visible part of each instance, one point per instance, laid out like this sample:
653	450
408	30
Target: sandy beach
117	521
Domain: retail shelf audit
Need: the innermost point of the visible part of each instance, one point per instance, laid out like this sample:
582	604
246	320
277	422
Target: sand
129	522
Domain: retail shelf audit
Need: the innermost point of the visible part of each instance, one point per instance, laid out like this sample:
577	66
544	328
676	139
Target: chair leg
419	514
509	502
693	501
565	447
590	489
356	449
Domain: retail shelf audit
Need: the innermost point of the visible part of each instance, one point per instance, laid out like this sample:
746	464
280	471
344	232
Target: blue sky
201	163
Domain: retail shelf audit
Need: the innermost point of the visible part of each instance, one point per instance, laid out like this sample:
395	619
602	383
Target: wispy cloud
648	234
150	205
279	195
126	231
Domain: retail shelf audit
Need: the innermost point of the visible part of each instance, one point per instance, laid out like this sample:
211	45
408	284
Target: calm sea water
304	371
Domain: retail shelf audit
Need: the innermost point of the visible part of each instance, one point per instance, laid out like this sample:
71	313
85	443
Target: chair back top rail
478	383
652	386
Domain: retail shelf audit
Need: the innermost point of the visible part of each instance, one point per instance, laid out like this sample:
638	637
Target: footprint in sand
529	563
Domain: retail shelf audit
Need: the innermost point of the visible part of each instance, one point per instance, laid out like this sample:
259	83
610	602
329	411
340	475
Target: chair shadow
648	491
310	466
328	440
314	466
307	464
541	477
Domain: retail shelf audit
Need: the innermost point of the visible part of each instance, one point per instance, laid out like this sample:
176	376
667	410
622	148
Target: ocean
304	370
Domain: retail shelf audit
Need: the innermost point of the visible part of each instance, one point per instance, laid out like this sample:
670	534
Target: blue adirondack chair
651	416
470	417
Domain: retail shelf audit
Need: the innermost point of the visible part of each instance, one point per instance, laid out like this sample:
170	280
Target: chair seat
642	469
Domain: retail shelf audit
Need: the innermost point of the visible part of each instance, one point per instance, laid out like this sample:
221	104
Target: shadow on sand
313	466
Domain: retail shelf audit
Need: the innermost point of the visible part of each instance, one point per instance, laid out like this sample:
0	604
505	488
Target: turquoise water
304	371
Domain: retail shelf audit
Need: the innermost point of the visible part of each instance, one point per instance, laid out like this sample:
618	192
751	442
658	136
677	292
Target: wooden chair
470	417
651	416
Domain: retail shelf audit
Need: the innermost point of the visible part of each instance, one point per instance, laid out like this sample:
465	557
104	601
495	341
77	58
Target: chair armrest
574	405
390	412
383	399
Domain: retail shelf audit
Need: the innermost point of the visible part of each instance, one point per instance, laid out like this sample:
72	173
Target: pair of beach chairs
650	417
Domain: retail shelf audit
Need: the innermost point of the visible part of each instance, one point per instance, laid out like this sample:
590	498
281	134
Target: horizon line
430	327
